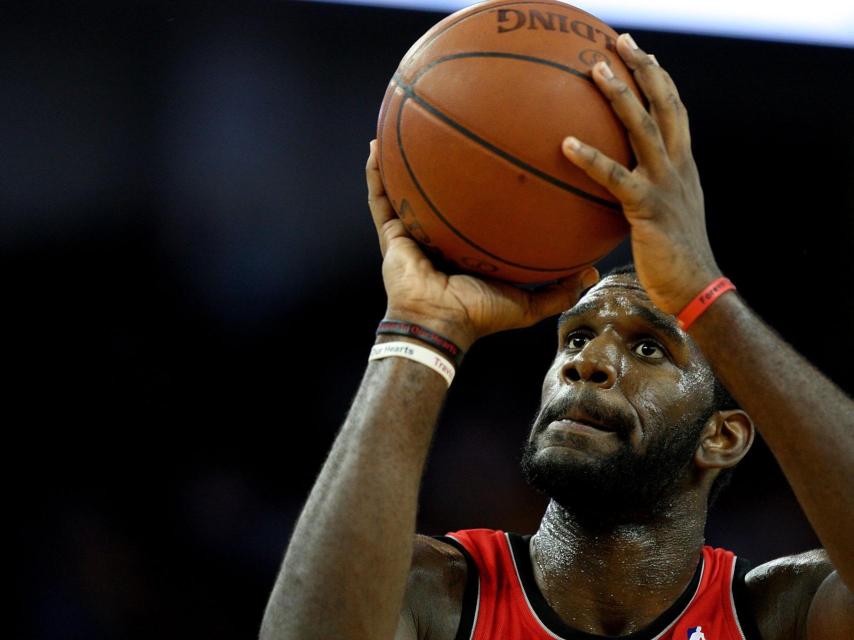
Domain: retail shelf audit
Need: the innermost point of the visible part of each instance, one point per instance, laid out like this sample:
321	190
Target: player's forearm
807	421
345	568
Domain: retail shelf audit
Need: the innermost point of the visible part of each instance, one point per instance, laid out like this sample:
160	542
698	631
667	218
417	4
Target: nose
592	365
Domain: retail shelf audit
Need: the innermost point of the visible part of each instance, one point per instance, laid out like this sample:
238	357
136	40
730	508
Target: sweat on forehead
639	304
619	281
616	282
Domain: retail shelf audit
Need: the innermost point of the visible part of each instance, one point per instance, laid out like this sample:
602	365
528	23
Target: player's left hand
662	198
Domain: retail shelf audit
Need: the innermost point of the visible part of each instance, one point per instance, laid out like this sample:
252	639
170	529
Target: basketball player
633	433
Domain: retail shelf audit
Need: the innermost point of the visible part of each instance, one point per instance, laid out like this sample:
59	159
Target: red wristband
703	301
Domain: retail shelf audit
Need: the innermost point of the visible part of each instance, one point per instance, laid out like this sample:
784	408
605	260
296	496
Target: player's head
660	424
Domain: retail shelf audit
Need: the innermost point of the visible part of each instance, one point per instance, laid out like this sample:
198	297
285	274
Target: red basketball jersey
503	602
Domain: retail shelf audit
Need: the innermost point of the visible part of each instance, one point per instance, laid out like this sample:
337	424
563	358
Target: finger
623	184
388	225
665	105
560	296
642	129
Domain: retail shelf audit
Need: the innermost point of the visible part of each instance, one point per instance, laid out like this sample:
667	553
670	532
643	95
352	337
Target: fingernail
605	70
630	41
589	278
572	143
654	60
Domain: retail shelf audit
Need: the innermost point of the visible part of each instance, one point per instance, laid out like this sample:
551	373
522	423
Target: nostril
599	377
573	375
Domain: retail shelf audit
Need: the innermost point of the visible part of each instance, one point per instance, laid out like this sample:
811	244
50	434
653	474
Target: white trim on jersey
732	599
557	637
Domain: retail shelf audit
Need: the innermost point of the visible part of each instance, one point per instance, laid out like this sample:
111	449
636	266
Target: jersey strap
471	593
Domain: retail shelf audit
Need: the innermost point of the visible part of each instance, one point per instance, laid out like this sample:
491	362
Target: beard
625	486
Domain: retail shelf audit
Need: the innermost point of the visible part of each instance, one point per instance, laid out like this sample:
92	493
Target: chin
599	489
559	471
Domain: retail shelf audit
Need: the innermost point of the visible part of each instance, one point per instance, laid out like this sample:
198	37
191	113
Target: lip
578	426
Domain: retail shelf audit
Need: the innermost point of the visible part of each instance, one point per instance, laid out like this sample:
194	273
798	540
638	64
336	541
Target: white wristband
415	352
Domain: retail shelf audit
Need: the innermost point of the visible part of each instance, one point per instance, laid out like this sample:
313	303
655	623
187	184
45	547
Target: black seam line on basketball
380	135
471	135
445	220
502	54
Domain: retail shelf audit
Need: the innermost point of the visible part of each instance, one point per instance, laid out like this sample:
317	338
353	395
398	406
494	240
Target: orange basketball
470	134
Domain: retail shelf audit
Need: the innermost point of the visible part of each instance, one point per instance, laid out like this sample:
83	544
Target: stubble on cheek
665	404
698	383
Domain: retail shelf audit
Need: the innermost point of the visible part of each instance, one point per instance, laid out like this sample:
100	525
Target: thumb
560	296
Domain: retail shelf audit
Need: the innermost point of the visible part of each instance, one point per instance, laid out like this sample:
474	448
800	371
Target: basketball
470	134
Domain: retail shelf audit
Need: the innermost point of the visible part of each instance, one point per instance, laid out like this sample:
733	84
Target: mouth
579	425
580	416
585	415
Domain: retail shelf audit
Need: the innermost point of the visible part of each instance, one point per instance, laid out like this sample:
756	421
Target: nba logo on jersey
696	633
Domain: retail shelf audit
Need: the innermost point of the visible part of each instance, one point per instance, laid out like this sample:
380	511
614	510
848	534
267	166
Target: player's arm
808	423
346	567
806	420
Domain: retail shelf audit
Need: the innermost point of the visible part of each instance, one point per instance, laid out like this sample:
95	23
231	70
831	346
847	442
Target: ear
725	440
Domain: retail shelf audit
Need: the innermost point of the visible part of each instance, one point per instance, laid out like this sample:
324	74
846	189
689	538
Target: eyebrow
655	319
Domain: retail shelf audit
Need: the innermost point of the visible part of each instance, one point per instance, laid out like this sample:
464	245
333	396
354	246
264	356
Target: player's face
623	402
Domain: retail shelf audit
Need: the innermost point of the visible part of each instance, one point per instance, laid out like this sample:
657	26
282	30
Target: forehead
619	297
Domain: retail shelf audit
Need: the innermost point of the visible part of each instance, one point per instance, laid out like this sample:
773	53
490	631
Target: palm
489	305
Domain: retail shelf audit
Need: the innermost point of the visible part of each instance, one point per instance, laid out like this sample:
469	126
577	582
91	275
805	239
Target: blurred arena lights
823	22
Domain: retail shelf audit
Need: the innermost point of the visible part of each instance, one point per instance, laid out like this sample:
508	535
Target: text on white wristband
416	353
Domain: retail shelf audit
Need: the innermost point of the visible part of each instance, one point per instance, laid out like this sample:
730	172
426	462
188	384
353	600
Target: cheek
698	384
550	383
650	404
661	399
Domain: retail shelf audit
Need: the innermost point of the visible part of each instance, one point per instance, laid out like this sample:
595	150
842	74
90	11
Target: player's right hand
661	195
463	308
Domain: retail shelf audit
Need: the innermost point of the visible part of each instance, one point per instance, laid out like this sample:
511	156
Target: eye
577	340
649	349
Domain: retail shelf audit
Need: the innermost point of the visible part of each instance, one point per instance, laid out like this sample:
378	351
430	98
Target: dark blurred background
191	283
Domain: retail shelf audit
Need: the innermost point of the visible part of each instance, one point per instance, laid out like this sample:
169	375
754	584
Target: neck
616	579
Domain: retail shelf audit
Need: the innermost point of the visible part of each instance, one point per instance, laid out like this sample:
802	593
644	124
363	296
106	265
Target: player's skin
355	567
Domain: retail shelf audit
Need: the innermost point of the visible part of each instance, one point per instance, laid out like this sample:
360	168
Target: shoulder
437	562
779	593
436	587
